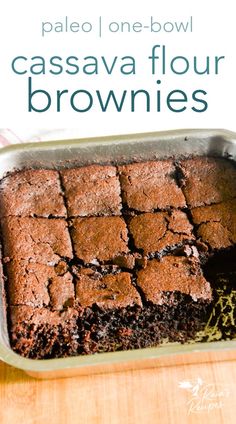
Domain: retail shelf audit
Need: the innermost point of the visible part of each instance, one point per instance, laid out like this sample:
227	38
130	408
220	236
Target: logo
204	396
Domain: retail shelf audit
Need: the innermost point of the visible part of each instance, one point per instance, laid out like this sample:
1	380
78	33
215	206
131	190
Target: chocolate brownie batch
103	258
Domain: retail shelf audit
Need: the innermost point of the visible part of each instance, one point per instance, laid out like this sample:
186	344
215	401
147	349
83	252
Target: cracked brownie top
182	274
106	291
142	219
156	232
112	257
99	238
39	240
216	224
92	190
32	193
208	180
149	186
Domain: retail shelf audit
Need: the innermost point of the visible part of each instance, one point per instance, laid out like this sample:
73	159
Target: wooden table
199	393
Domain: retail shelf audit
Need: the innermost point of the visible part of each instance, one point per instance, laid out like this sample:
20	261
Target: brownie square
39	240
99	239
39	286
40	333
208	180
173	274
92	190
216	224
160	231
32	193
110	291
150	185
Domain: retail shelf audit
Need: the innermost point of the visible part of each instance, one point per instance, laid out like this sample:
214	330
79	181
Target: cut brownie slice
40	333
161	231
32	193
150	185
111	307
170	275
39	240
216	224
115	318
208	180
92	190
39	285
99	239
107	292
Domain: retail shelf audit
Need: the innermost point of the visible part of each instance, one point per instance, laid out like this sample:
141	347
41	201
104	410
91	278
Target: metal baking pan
115	149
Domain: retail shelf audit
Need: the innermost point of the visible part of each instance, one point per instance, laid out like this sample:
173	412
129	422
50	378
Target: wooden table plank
141	396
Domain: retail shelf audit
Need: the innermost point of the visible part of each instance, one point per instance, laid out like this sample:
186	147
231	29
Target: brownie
115	318
160	231
105	258
92	190
107	292
216	224
173	274
39	285
39	240
150	185
35	193
208	180
40	333
99	238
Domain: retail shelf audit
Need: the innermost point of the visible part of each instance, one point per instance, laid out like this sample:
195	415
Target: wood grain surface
197	393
